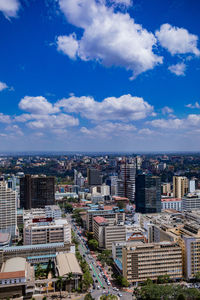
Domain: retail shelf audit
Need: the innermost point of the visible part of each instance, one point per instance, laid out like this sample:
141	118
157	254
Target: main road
101	284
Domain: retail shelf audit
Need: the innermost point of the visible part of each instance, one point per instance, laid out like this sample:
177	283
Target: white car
98	287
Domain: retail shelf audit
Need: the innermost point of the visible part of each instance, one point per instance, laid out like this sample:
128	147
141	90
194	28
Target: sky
99	75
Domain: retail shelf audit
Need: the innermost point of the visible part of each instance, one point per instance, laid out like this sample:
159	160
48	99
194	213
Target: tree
163	278
93	244
197	276
59	284
181	297
122	281
69	278
88	297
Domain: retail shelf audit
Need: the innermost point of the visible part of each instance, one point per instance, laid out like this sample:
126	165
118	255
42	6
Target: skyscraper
8	209
94	177
37	191
126	183
180	186
148	194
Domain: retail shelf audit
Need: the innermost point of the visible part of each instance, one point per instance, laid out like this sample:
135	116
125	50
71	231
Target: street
101	283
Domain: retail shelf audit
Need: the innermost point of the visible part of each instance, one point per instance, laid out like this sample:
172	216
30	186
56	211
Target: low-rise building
16	278
42	231
171	203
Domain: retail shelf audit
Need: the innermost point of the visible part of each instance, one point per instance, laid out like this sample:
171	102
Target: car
96	281
98	287
119	294
94	275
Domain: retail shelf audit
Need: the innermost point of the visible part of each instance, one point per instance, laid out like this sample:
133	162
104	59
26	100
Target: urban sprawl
101	226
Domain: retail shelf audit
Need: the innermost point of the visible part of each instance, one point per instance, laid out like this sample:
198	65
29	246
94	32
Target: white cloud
178	69
108	130
68	45
3	86
168	124
14	129
37	105
109	37
4	118
195	105
145	131
177	40
9	8
52	121
123	2
124	108
167	110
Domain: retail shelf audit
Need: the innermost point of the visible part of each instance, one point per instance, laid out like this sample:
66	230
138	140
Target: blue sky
99	75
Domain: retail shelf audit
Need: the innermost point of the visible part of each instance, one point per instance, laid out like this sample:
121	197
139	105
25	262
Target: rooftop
67	263
99	220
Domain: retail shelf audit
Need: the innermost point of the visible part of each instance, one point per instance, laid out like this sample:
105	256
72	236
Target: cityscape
99	150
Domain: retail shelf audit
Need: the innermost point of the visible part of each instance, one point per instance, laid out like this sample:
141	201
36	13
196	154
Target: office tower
8	209
138	162
126	183
143	261
192	185
36	191
166	189
180	186
148	194
94	177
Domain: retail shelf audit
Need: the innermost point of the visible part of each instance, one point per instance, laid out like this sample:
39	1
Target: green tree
181	297
59	284
122	281
93	244
197	276
163	278
88	297
69	278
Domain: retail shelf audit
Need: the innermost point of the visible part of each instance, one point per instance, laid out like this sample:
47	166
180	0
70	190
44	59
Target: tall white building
8	209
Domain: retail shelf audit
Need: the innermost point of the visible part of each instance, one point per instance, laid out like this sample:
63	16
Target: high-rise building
126	183
36	191
94	177
148	194
180	186
8	209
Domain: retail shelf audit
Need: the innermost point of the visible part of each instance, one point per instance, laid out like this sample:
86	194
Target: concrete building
166	189
191	202
36	191
180	186
94	177
106	234
171	203
53	211
8	209
143	261
35	253
43	231
111	214
16	278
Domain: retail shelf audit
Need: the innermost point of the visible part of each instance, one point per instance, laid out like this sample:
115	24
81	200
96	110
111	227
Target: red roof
170	199
11	275
100	220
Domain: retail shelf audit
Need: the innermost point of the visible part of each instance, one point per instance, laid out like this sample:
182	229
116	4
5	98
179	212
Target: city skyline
107	75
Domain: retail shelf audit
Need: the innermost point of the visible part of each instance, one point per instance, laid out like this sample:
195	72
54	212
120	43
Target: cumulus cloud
4	118
178	69
3	86
124	108
14	129
68	45
145	131
109	37
177	40
195	105
9	8
168	124
108	130
123	2
52	121
191	121
37	105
